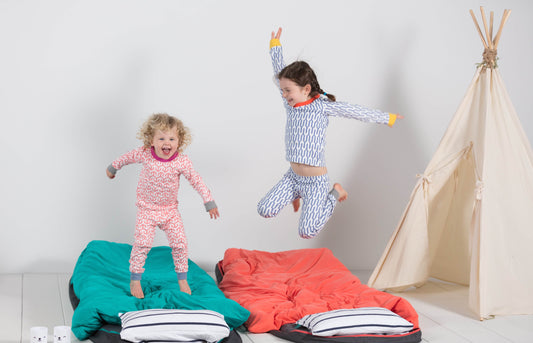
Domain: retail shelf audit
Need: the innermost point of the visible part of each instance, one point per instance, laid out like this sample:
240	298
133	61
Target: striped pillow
357	321
173	325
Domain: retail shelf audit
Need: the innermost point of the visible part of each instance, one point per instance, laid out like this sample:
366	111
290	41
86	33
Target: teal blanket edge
101	281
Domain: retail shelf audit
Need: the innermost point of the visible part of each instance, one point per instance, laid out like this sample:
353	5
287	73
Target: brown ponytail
331	97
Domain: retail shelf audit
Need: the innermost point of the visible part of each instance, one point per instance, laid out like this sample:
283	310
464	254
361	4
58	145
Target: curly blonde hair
163	122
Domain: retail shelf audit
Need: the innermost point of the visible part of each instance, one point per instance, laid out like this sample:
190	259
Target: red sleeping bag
280	288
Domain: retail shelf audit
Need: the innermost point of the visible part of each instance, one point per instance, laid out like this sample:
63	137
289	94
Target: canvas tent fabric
469	219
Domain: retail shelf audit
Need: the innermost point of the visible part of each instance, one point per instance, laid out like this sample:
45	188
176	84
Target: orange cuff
274	42
392	119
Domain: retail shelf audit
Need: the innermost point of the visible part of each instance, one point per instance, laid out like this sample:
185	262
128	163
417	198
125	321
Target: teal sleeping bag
101	282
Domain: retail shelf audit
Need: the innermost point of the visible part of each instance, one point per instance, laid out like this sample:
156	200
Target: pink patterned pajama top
159	179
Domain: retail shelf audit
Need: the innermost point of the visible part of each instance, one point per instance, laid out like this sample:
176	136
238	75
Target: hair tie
326	94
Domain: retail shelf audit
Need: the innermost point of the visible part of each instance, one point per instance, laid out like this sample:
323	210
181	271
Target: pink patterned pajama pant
170	222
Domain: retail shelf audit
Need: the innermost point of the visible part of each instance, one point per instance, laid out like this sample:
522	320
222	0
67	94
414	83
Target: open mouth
166	151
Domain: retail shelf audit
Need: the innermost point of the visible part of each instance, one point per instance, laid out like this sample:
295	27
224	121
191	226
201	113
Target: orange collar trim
307	102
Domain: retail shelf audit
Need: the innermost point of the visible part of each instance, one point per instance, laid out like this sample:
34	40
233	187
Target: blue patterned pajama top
305	130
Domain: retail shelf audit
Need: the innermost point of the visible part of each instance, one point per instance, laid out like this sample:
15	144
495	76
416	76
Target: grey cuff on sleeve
136	276
112	169
210	205
334	193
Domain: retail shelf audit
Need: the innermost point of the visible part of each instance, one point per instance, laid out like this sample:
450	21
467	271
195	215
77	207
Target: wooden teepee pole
478	29
491	24
487	32
506	15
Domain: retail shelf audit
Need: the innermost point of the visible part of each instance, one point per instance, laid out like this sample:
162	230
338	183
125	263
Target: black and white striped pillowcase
357	321
171	325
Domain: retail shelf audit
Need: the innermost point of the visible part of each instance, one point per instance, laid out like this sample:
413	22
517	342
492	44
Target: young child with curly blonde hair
164	139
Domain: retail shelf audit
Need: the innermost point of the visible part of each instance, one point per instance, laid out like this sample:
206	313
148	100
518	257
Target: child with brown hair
308	110
164	139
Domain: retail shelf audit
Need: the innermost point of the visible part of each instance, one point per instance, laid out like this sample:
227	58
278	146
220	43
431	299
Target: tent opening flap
451	200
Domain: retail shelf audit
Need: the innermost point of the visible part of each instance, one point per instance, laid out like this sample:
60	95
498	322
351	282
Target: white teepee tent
470	216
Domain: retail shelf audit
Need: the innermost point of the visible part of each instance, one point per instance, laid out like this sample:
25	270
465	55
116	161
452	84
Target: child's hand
109	174
213	213
277	35
399	116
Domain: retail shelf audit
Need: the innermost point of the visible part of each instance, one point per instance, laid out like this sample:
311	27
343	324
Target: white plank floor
28	300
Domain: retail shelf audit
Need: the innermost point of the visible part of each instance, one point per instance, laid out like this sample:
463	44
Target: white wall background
77	79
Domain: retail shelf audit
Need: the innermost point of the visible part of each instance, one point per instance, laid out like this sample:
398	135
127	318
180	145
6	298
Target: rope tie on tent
490	58
480	187
425	178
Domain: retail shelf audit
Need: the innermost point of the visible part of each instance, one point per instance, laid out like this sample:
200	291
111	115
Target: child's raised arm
276	56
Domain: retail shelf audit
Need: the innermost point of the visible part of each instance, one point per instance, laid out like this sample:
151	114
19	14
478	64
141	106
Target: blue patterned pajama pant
318	201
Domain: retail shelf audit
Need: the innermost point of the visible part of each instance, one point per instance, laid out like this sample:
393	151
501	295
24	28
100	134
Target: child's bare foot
136	289
184	286
343	195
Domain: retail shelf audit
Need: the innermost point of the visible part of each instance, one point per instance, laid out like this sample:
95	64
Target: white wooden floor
28	300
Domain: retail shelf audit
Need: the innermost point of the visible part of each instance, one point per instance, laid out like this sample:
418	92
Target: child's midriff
307	170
